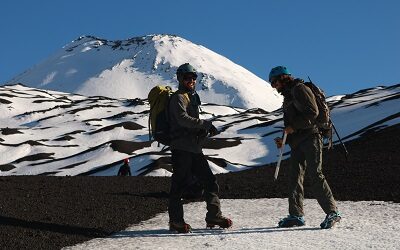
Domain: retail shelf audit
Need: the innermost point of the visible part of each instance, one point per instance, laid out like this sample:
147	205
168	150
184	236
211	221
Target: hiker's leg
181	164
319	185
296	179
202	170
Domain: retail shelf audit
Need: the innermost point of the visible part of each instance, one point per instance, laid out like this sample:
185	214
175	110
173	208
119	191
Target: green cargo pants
308	155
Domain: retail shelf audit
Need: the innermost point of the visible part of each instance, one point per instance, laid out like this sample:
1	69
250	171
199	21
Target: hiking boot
292	221
220	221
180	227
330	220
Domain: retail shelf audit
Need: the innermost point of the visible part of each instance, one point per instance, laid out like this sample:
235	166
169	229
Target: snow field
365	224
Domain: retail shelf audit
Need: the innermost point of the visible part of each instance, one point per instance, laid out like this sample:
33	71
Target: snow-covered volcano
54	133
130	68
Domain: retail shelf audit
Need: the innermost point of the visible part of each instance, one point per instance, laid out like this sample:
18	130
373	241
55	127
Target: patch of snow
364	224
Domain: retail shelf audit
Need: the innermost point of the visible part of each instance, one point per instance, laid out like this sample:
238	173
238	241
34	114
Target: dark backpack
323	120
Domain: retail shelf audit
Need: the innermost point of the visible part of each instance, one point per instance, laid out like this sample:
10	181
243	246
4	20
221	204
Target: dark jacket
124	170
299	111
187	130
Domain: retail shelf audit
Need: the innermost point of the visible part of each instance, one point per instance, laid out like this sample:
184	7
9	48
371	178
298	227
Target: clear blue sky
342	45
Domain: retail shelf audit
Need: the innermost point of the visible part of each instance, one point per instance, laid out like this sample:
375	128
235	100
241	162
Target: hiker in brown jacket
188	134
300	111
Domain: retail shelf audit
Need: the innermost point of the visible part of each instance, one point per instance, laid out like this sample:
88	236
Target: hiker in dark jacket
188	134
300	111
125	169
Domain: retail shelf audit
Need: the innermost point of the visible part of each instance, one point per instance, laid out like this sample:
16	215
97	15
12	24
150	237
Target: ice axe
282	148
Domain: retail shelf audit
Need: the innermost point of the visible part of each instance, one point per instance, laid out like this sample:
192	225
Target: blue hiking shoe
292	221
330	220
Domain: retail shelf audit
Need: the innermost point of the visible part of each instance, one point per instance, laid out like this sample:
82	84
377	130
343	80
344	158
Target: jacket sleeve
305	104
178	106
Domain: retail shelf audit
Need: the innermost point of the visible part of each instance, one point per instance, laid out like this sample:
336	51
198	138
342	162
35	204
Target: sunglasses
190	78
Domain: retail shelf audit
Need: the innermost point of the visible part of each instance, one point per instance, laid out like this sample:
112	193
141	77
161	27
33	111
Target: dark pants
308	154
185	165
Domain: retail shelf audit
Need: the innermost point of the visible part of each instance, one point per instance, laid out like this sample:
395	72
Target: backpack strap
184	93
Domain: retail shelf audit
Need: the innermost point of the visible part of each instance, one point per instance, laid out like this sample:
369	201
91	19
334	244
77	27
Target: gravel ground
41	212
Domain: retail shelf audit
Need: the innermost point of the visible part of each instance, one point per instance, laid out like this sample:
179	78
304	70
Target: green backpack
159	128
158	119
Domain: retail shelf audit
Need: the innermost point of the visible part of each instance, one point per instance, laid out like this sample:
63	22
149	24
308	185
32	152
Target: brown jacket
299	111
187	130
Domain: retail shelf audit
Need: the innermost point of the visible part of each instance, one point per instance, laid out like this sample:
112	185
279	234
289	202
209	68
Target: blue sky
344	46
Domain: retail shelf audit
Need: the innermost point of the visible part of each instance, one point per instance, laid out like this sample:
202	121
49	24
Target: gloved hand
213	130
202	133
289	130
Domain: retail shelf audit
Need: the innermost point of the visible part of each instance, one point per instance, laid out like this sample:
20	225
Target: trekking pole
346	153
280	156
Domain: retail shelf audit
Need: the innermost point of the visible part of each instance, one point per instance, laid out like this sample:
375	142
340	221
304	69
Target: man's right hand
213	130
278	142
210	128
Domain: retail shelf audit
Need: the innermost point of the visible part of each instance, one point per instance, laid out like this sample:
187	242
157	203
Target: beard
189	87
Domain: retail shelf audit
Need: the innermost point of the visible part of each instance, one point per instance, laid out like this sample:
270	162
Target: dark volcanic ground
39	212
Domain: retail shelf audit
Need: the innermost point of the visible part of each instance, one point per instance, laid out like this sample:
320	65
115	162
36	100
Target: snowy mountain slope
130	68
53	133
